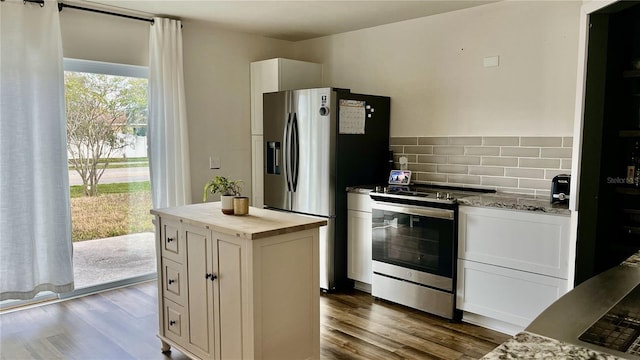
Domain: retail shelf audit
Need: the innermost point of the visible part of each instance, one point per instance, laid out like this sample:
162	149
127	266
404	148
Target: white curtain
168	137
35	216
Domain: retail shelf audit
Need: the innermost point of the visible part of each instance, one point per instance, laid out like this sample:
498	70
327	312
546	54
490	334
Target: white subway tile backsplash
550	174
418	149
535	184
541	141
467	140
448	150
523	165
432	159
544	193
423	168
453	169
482	150
499	161
403	141
501	141
520	151
463	160
433	141
486	170
463	179
430	177
539	163
524	173
563	153
499	181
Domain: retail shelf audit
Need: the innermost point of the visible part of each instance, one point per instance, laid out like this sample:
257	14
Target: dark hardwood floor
122	324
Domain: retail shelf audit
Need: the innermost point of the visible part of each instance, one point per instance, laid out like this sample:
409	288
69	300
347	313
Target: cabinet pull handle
210	276
172	322
169	239
171	281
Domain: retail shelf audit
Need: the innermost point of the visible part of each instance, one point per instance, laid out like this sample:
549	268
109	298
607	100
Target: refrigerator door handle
295	163
286	153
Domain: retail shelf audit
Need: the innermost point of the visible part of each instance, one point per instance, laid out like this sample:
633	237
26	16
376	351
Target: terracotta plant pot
227	204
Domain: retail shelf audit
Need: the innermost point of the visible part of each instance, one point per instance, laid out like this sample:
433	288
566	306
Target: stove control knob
438	195
449	196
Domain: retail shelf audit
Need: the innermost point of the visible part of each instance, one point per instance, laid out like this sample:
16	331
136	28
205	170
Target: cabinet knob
171	281
210	276
170	239
172	322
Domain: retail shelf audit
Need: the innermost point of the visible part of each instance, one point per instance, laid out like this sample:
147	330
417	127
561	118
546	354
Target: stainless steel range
414	236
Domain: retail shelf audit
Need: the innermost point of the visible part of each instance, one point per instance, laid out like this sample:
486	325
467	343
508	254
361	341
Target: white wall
217	82
218	87
432	68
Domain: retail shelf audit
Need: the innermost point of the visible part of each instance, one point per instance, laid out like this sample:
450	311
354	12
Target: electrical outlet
214	162
491	61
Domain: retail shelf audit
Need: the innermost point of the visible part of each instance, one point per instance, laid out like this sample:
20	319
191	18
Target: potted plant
228	189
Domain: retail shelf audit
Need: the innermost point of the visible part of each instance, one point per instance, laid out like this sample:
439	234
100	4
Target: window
113	233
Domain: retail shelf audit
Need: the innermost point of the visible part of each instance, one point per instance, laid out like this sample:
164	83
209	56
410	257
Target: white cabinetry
224	296
359	240
512	265
268	76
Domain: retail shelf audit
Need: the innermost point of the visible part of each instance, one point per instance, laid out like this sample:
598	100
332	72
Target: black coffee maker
560	189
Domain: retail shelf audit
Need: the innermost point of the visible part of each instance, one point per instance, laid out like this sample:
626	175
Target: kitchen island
555	333
238	287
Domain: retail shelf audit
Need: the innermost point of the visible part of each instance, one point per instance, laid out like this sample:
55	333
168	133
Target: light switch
214	162
492	61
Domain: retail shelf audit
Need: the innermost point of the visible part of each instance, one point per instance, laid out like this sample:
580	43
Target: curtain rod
62	5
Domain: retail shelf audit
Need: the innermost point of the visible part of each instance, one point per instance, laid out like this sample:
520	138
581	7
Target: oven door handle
416	210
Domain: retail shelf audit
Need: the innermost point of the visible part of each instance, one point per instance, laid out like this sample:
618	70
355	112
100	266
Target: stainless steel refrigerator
317	142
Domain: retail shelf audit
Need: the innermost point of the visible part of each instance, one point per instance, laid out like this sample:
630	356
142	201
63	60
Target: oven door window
412	241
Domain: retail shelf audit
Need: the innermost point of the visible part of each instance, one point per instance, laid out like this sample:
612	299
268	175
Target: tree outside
103	113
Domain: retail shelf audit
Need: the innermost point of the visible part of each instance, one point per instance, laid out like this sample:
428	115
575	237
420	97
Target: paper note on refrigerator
352	116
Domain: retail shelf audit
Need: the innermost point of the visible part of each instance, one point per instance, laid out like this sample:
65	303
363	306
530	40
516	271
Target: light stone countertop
526	345
515	202
530	345
258	224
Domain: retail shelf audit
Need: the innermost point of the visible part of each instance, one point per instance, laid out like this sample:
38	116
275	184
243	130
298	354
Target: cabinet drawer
174	281
360	202
175	321
512	296
538	243
171	244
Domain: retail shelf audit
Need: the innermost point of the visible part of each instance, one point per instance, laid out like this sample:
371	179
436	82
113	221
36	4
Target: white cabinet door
264	78
276	75
534	242
203	325
359	246
359	263
512	296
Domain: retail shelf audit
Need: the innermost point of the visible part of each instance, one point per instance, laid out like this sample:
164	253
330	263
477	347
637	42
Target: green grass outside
119	209
115	188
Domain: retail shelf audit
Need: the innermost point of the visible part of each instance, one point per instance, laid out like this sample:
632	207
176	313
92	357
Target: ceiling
290	20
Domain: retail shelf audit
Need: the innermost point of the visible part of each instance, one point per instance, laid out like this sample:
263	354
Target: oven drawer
419	277
418	297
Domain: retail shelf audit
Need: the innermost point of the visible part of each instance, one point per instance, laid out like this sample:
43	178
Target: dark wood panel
123	323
